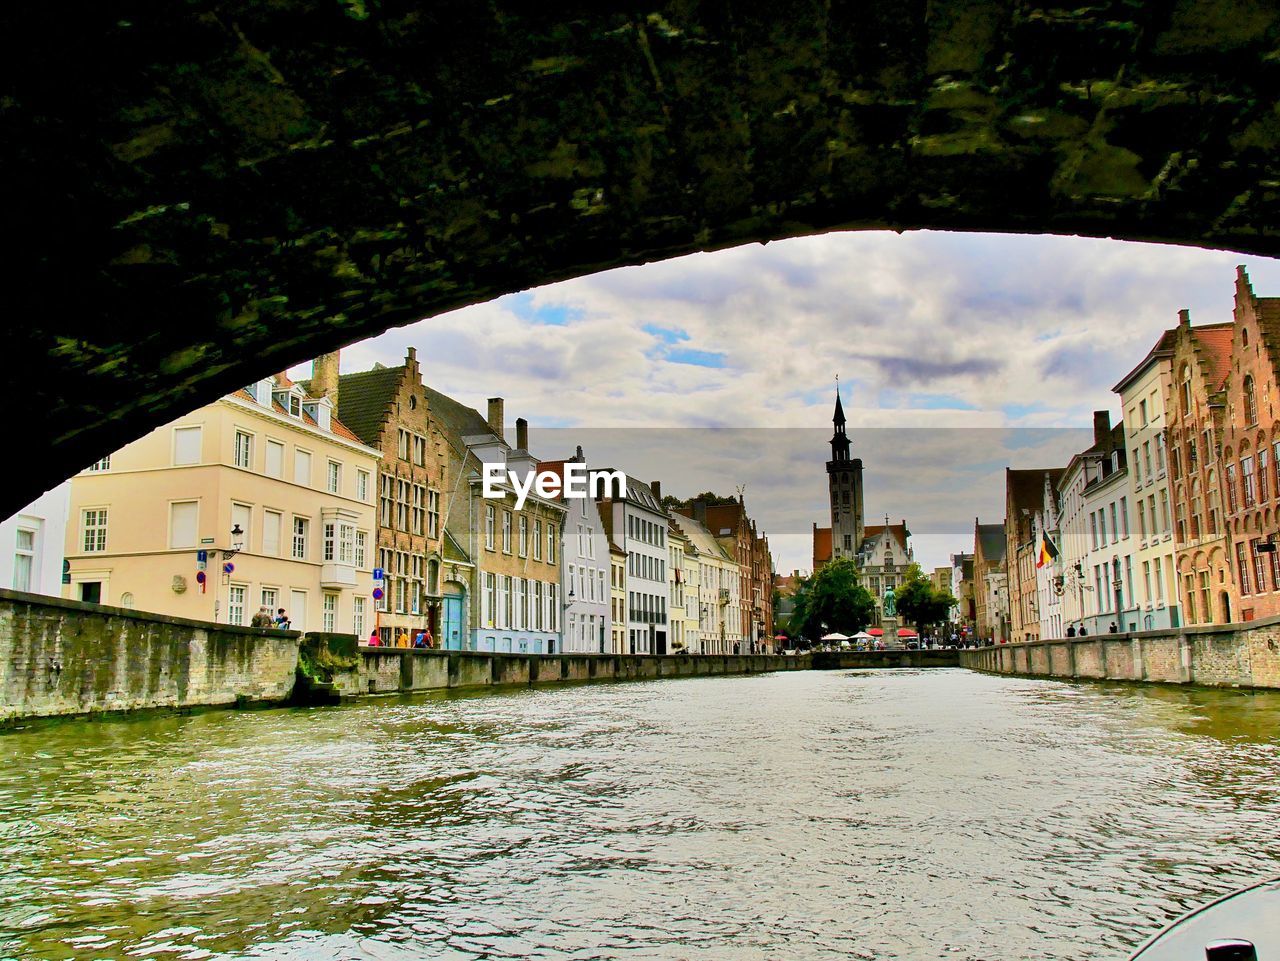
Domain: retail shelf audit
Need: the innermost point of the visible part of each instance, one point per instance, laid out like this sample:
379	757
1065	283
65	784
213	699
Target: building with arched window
1250	445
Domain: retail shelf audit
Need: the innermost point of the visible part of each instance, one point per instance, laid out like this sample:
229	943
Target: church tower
844	484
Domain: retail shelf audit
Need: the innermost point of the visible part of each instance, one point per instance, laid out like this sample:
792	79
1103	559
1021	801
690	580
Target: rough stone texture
199	193
65	657
1231	655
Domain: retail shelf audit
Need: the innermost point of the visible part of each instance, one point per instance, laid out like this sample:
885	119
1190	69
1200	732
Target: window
362	485
357	615
295	405
299	549
1242	569
302	467
490	599
386	500
104	464
186	445
1250	401
272	522
1124	516
488	526
244	450
235	604
1142	412
1186	390
419	508
402	505
1093	530
1259	566
330	541
537	540
419	450
506	532
433	513
1231	489
271	599
1142	520
402	445
1115	528
275	458
339	542
1146	457
1137	467
24	556
334	477
183	519
524	536
1164	510
1262	473
1159	452
329	612
552	534
1250	488
94	524
362	545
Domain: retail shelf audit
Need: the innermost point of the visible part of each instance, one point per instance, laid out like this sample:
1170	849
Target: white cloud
927	330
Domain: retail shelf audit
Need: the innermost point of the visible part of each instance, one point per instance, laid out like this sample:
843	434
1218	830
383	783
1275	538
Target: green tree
832	600
920	603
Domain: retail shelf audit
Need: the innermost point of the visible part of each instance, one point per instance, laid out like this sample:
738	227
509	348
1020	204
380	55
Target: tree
919	602
832	600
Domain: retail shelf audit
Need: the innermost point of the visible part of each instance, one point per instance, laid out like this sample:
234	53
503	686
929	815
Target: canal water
866	815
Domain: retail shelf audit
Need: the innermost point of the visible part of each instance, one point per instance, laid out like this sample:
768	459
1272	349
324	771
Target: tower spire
839	415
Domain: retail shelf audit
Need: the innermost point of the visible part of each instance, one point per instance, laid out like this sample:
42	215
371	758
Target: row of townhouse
1171	516
293	496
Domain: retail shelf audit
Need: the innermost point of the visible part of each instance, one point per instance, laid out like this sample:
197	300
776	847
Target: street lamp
237	545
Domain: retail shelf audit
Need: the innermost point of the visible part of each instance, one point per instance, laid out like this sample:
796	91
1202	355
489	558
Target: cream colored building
268	460
682	584
617	597
718	612
1143	394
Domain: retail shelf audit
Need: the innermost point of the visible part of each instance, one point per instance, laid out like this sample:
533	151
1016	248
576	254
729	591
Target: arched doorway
1226	607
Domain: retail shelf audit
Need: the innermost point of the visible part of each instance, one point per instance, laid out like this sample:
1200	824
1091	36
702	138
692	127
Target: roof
1024	490
699	537
1214	341
990	538
821	545
458	419
453	550
336	426
363	399
899	533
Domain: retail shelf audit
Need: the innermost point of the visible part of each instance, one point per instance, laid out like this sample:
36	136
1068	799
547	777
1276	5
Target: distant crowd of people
421	639
264	619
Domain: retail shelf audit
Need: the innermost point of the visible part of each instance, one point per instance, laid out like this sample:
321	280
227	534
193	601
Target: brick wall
67	657
1230	655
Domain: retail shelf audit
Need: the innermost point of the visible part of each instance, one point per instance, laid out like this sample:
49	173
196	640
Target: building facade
1250	447
33	540
637	523
266	484
718	609
1024	499
844	491
990	586
1201	364
388	409
585	570
1144	393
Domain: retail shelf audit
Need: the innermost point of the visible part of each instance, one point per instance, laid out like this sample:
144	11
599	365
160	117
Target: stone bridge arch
199	193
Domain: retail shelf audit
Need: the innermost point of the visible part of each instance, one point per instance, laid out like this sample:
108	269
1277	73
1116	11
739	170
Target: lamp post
237	545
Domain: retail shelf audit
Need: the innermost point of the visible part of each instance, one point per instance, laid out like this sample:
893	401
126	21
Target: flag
1048	553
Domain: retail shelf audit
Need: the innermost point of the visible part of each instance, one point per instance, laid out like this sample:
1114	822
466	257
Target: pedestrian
1083	632
402	640
431	641
1113	629
262	618
420	639
1071	631
282	619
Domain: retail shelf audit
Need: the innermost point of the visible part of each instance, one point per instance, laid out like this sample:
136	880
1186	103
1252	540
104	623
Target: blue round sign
228	567
377	593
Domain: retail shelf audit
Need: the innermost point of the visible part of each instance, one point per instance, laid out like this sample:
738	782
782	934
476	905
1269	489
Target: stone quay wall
1227	655
68	657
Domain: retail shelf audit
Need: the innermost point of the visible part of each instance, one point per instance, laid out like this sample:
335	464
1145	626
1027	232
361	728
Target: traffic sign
200	578
228	567
202	557
377	574
377	593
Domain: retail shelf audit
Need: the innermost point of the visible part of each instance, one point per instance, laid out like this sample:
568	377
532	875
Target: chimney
1184	318
495	417
656	487
324	377
700	512
1102	429
577	455
522	433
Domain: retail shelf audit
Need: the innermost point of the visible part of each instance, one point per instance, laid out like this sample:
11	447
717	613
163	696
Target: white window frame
298	539
242	453
195	531
187	431
333	477
97	530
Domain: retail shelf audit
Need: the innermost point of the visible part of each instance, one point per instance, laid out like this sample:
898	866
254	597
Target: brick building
388	409
1201	362
1250	450
1024	498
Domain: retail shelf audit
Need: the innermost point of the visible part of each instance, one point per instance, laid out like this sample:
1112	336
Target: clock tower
844	484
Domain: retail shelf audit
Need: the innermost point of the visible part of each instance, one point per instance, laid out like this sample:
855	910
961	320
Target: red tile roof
821	546
899	532
1215	339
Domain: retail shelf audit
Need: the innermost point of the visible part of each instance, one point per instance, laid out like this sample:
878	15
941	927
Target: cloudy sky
958	355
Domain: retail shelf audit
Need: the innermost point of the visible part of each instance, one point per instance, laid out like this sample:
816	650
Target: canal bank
1226	655
63	658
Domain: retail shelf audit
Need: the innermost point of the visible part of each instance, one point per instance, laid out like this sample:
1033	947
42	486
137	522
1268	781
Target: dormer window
295	405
